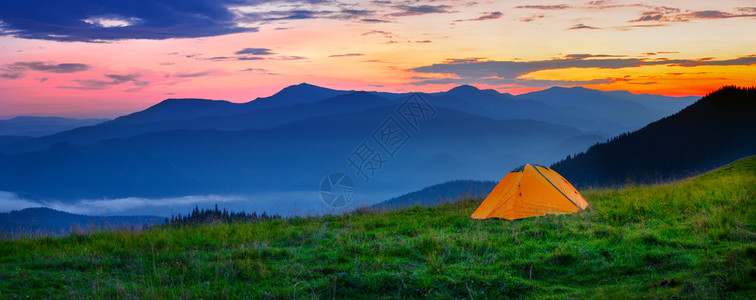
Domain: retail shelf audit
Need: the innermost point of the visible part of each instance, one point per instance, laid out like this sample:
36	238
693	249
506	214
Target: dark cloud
667	14
659	13
291	57
190	75
416	10
582	26
496	81
254	51
629	27
650	16
103	20
545	7
612	4
486	16
375	21
18	69
584	56
11	75
301	14
715	14
114	79
464	60
479	70
279	15
659	52
532	18
354	14
386	34
229	58
249	58
691	73
347	55
243	54
259	70
741	61
51	68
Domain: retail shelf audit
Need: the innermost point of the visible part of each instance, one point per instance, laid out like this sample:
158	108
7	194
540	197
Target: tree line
216	215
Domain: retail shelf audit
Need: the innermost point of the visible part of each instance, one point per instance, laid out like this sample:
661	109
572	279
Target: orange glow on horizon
343	51
661	79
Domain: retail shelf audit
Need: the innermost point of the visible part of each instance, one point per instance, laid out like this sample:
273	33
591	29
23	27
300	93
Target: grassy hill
42	221
690	239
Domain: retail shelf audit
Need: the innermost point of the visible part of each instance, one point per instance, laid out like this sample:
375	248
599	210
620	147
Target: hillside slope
691	239
45	221
438	194
714	131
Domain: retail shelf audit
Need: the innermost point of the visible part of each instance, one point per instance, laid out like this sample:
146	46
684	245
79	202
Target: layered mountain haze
629	111
41	126
289	142
291	156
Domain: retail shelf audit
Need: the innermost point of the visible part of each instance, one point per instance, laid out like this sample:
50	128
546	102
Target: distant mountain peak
186	100
464	88
39	211
573	88
303	89
303	85
20	118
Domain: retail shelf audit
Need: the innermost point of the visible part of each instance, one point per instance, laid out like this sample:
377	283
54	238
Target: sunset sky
96	58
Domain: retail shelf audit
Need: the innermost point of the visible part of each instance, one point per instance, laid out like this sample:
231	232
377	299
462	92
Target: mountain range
293	139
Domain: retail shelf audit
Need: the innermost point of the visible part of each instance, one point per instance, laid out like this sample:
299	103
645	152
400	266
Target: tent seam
502	204
560	191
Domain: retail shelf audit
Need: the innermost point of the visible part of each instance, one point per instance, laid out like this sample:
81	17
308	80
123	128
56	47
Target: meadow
694	238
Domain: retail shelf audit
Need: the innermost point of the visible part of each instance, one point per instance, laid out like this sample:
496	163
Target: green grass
691	239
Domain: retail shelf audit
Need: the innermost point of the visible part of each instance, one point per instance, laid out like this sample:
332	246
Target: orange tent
528	191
